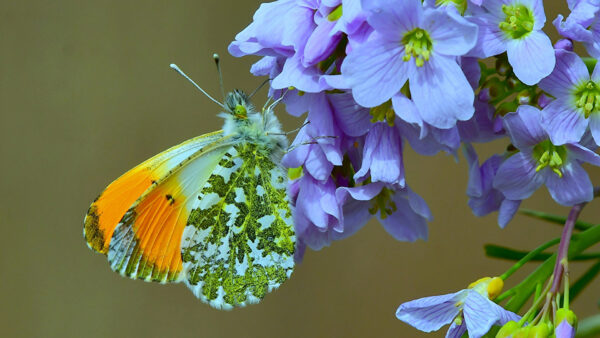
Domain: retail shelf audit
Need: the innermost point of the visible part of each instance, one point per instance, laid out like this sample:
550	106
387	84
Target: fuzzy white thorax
262	129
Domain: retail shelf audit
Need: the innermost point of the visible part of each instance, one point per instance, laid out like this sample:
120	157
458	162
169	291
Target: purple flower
382	156
583	24
316	211
577	103
540	162
515	26
402	212
565	322
564	330
482	126
468	310
418	45
319	219
483	197
301	34
427	140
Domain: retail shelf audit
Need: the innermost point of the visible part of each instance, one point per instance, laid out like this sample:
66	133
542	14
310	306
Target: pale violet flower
515	26
469	310
577	103
419	45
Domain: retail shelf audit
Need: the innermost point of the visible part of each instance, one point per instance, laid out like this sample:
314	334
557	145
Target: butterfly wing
146	242
239	242
107	210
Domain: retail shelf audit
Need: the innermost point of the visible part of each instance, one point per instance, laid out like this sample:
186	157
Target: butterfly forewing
238	244
107	210
146	244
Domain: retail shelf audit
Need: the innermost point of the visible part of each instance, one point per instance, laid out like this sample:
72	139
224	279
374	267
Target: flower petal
405	109
596	72
507	211
564	330
375	71
321	43
532	57
317	164
431	313
595	126
352	119
382	156
568	72
393	18
573	187
308	205
583	154
563	122
441	92
490	40
294	74
418	204
451	33
481	313
525	127
456	331
517	178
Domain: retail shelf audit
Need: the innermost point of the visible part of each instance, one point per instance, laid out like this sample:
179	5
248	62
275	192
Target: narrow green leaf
584	281
579	225
589	327
501	252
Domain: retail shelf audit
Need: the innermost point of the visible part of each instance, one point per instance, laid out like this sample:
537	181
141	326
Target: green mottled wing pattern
239	240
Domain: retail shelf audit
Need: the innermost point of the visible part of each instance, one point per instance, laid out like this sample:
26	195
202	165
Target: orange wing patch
108	209
147	242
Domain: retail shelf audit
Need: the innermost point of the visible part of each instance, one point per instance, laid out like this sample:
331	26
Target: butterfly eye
240	112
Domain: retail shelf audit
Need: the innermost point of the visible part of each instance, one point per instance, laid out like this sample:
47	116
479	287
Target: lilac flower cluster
375	76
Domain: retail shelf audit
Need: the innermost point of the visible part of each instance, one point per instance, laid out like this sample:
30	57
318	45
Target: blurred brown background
86	93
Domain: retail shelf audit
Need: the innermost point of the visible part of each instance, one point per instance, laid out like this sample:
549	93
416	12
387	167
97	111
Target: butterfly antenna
174	66
276	102
258	88
217	59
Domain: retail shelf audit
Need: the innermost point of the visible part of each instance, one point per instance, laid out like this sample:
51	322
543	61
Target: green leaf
579	225
584	281
501	252
589	327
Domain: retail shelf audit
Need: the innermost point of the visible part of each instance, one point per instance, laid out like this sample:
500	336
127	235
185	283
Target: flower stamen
588	98
549	155
519	21
418	45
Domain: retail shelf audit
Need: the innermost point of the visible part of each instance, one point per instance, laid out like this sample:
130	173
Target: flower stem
528	257
563	247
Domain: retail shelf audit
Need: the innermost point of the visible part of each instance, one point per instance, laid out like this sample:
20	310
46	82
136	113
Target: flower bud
565	314
542	330
508	329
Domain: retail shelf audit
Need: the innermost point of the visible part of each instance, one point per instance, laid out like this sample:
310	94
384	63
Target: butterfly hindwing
239	242
107	210
146	242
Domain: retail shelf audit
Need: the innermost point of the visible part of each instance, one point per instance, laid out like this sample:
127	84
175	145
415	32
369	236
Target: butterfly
211	212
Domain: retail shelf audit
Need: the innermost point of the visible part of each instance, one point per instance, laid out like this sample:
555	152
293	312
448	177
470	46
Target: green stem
523	291
528	257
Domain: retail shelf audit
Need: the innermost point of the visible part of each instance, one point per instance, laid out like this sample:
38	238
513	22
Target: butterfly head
238	104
